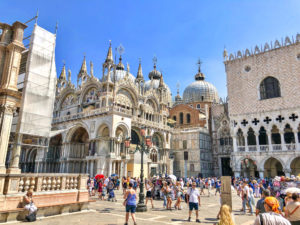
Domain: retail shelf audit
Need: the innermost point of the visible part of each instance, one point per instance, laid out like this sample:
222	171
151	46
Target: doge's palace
264	108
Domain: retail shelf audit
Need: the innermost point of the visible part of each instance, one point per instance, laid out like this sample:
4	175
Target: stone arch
121	126
30	161
135	135
69	135
248	167
153	155
103	130
88	88
158	139
124	89
251	136
269	87
273	167
288	134
275	135
152	101
262	136
63	98
262	162
295	166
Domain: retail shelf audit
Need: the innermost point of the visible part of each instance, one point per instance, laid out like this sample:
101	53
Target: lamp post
144	147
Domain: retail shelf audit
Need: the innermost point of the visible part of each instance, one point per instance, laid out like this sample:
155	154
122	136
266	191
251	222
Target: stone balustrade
48	188
94	112
48	182
265	148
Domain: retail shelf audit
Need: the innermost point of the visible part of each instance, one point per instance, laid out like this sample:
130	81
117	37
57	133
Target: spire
161	81
62	75
139	75
225	54
91	69
109	57
128	68
199	75
83	68
120	65
69	76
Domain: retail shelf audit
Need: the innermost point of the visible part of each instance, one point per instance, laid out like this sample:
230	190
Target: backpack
31	217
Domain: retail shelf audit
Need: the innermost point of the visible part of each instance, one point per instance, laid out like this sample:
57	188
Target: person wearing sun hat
272	215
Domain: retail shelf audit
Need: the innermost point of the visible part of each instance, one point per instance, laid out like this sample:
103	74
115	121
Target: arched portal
135	139
273	168
54	153
79	148
30	161
295	166
249	168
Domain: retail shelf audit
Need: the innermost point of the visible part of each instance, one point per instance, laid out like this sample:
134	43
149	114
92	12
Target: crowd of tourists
266	198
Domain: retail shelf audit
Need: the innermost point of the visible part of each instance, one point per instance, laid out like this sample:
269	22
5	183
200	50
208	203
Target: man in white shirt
246	198
193	201
209	186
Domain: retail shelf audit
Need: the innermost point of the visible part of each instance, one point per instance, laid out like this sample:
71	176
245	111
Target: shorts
130	208
148	194
193	205
218	190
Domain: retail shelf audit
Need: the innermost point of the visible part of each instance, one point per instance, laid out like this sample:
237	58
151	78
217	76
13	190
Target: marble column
87	167
6	116
14	162
234	143
113	167
270	140
257	141
109	168
122	169
296	139
282	140
92	168
246	142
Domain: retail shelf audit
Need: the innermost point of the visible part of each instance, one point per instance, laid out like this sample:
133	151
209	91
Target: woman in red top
100	187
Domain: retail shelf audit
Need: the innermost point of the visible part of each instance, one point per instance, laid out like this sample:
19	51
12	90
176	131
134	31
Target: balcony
267	148
94	112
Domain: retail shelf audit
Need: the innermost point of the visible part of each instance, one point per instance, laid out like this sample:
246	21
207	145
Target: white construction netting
39	85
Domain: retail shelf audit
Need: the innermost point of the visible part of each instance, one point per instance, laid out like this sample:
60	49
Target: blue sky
178	32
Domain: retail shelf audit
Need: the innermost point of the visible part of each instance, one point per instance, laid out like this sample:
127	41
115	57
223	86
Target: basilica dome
120	74
200	91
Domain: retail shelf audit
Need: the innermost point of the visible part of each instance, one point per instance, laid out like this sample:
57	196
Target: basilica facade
93	120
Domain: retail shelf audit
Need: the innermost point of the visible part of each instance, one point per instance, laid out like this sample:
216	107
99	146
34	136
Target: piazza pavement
111	213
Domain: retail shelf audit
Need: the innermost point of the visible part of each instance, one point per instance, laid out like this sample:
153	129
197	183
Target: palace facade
264	108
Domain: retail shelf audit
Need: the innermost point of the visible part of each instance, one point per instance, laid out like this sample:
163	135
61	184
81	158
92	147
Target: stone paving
110	213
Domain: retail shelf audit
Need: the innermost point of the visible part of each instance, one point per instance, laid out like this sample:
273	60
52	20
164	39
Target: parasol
172	177
99	176
114	175
292	190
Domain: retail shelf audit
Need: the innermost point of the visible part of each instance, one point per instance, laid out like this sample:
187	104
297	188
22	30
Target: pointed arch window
269	88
